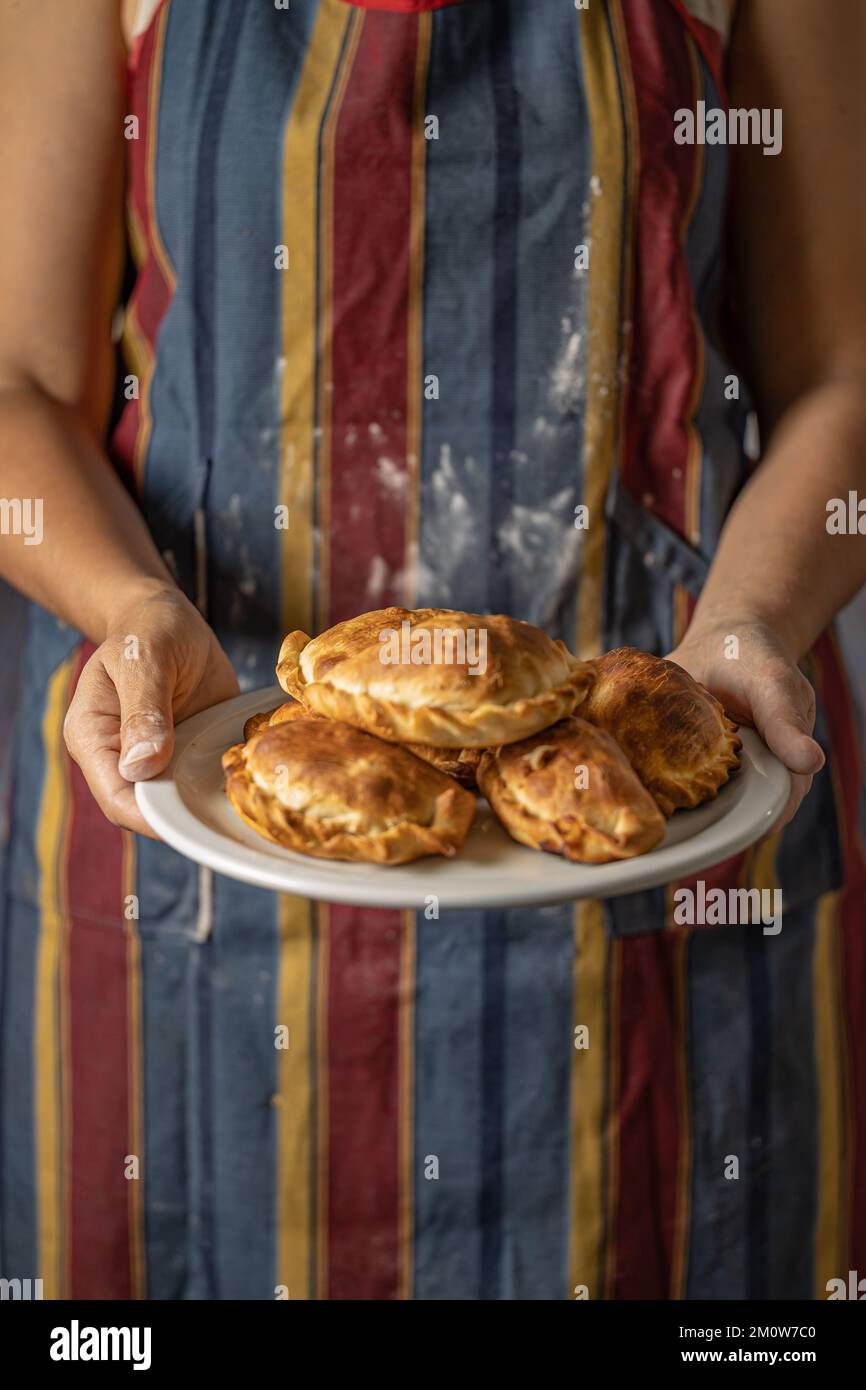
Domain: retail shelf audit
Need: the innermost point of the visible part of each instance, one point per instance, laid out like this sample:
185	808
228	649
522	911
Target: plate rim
163	807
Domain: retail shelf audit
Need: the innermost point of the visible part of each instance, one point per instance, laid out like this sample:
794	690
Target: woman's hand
159	663
761	686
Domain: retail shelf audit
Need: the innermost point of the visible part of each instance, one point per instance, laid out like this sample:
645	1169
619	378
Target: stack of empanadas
394	715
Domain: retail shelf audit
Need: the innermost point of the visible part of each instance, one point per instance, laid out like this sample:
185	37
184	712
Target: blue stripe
538	1048
492	1024
204	224
718	1062
447	1103
541	545
19	1240
454	501
505	257
166	958
758	1111
791	1151
203	1260
239	998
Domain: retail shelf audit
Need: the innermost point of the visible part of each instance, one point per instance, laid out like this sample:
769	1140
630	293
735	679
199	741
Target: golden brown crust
290	709
674	733
524	680
459	763
572	791
328	790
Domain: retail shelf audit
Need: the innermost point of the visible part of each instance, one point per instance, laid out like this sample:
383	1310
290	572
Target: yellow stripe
406	1118
415	354
294	1097
297	387
831	1244
610	239
762	868
52	840
326	304
588	1085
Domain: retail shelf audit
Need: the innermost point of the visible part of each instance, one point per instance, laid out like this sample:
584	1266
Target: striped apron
433	278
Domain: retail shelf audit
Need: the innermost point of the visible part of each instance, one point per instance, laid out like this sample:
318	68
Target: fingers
144	691
91	731
800	787
783	710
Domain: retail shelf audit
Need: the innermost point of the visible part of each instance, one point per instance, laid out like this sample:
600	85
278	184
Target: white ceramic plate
187	807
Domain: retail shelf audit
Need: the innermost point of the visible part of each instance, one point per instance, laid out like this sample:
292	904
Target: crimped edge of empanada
482	727
705	785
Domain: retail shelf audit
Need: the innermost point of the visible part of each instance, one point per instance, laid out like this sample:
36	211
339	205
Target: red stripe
710	42
151	294
664	351
847	761
644	1217
372	201
363	1096
98	1097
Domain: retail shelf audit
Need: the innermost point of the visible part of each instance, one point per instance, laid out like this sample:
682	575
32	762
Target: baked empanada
290	709
459	763
572	791
331	791
674	733
434	676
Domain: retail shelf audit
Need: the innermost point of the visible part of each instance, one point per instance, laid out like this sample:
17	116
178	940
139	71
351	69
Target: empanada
674	733
331	791
435	676
459	763
291	709
572	791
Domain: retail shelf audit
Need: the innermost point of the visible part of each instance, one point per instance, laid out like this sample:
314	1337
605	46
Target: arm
61	252
61	257
779	577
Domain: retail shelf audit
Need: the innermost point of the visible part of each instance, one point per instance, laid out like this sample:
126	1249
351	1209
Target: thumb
786	733
146	724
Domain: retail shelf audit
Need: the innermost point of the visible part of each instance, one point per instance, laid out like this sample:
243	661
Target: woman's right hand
159	663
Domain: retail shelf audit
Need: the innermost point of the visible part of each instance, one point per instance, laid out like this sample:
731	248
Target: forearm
95	552
776	562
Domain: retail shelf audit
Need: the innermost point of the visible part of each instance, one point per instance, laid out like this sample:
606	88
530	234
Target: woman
431	277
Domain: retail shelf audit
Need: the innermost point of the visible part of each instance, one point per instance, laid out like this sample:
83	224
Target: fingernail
138	753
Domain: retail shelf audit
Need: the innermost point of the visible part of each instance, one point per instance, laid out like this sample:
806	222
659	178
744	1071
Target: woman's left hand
762	686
